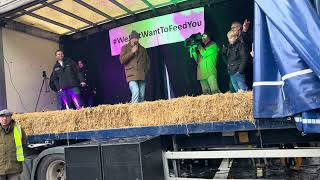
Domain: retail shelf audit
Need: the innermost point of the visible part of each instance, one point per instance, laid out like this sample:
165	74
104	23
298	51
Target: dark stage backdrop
108	73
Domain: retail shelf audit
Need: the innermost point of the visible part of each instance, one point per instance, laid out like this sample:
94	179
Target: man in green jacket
12	141
207	61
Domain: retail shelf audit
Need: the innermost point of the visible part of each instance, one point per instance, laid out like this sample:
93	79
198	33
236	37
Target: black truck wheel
52	167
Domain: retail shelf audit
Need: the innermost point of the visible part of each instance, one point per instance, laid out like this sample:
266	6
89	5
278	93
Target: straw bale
218	107
206	108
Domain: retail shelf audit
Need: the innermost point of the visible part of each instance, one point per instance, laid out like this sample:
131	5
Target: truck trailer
285	122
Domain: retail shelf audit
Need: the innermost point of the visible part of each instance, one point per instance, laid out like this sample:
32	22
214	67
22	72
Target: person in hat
136	62
12	141
207	58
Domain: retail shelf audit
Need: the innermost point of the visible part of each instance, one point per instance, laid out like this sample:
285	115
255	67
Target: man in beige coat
136	62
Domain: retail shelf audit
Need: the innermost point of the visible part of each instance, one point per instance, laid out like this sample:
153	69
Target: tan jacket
8	158
136	64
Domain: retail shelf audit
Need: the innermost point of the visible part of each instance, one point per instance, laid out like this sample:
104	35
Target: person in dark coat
237	57
245	36
136	63
67	80
89	90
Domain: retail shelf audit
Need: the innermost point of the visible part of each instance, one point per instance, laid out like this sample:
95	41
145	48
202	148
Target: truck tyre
52	167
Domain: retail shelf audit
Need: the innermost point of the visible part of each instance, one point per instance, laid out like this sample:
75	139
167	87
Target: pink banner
160	30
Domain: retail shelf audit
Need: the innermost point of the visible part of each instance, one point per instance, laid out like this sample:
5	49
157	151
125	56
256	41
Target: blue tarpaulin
287	62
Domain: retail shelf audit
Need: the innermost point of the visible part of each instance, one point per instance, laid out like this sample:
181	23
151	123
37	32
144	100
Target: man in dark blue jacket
67	79
88	91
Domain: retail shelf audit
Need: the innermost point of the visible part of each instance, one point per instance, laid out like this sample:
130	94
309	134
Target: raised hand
134	49
83	84
246	25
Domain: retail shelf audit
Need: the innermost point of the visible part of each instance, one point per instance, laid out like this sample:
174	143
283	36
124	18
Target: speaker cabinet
132	159
138	158
83	162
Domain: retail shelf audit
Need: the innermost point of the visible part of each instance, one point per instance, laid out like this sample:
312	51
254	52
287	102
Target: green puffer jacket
8	158
208	61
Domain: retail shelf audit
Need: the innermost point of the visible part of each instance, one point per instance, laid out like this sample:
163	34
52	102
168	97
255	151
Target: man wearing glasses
246	37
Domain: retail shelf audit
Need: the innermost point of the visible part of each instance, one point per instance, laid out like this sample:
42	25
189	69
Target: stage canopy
65	17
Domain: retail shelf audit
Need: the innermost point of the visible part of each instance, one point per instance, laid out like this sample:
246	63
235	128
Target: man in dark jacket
67	79
89	90
12	141
237	56
246	37
136	62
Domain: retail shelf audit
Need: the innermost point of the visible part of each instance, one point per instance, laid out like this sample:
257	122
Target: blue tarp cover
287	62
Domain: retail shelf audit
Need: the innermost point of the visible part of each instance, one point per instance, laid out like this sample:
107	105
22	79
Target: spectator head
5	117
59	55
236	27
206	37
134	37
232	37
81	63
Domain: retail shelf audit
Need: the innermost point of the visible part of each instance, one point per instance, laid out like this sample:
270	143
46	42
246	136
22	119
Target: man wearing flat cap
136	62
12	141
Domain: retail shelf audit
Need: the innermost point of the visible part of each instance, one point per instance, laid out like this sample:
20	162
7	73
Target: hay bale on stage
209	108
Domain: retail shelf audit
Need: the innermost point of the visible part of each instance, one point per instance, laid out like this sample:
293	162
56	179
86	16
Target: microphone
136	44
